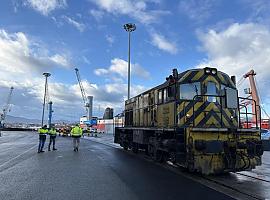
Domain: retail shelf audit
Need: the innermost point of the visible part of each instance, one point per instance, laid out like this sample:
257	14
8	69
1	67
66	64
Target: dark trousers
52	140
42	139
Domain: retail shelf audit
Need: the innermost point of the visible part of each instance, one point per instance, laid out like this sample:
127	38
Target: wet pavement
96	172
253	184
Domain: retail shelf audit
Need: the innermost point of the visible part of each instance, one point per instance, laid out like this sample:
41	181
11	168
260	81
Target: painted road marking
18	156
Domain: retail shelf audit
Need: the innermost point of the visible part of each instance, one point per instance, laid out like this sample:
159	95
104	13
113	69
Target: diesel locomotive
194	119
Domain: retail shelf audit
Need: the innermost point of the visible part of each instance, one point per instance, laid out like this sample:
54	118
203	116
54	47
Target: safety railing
246	123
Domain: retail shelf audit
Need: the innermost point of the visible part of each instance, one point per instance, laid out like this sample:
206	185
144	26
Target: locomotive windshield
189	90
211	90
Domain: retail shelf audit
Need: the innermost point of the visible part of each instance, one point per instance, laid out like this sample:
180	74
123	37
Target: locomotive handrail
256	114
246	113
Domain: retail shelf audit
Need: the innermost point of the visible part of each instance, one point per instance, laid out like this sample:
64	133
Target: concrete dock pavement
97	172
253	184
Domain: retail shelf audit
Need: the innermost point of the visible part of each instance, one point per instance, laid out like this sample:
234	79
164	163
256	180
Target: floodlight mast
46	75
129	28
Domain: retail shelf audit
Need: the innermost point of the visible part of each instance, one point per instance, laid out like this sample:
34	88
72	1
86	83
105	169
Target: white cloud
46	6
258	10
110	39
239	48
19	54
135	9
198	10
21	66
61	60
162	43
119	67
86	60
97	14
80	26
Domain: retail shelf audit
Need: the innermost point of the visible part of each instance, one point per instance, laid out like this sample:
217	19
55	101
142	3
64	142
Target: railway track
253	177
238	190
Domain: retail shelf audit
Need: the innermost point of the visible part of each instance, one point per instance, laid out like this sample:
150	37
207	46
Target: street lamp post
46	74
129	28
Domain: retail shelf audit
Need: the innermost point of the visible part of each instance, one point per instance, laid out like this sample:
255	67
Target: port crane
254	94
6	108
87	106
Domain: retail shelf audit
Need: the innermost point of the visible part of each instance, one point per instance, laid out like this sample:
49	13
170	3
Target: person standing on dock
42	138
52	133
76	133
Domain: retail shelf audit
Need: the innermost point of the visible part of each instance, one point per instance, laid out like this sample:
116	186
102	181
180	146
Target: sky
56	36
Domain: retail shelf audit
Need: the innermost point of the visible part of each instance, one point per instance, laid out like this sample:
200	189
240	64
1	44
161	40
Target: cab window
160	96
190	90
165	95
211	90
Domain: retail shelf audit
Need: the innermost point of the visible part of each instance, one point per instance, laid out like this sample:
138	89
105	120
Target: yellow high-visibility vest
42	131
52	132
76	131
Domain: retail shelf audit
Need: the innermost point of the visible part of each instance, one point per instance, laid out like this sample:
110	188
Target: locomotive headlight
207	71
214	71
187	115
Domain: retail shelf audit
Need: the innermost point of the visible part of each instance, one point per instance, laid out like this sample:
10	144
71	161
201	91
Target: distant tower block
108	113
90	107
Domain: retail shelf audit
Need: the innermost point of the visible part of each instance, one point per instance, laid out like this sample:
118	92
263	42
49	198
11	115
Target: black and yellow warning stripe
204	114
199	75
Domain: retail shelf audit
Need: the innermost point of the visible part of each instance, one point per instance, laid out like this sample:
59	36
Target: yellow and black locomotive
193	119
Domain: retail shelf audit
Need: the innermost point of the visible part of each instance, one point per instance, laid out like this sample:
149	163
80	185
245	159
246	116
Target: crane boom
80	84
254	93
6	107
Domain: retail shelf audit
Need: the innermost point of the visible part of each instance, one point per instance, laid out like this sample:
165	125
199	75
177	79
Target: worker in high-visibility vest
42	138
76	133
52	133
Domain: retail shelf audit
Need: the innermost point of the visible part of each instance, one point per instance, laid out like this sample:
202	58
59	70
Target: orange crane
256	108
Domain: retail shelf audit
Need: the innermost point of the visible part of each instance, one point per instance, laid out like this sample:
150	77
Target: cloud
134	9
86	60
162	43
237	49
97	14
258	10
46	6
198	10
61	60
80	26
21	66
110	39
119	67
21	55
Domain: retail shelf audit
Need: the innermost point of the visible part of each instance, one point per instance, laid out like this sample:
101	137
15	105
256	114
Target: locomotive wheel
125	146
172	157
159	157
151	151
190	167
135	148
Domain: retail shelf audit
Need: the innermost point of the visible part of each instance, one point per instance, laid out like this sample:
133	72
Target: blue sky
58	35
